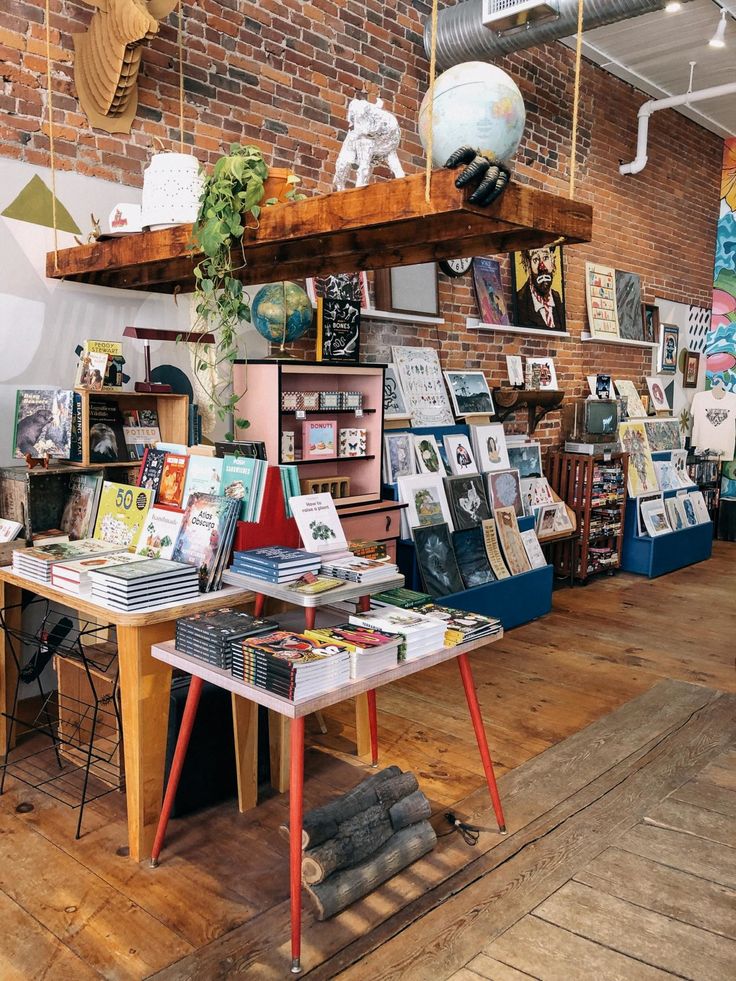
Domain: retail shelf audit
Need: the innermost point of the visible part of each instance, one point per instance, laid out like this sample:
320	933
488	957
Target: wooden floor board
689	818
684	852
706	794
488	967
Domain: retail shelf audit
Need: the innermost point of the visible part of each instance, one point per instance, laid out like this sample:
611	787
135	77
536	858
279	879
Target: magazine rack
657	556
274	528
71	750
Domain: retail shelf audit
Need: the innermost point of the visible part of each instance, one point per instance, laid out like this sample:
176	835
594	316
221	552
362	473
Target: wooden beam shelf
382	225
538	402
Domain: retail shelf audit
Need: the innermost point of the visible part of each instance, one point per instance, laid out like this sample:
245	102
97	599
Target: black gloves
492	178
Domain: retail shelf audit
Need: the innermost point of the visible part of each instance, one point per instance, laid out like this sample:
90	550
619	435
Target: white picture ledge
473	323
623	341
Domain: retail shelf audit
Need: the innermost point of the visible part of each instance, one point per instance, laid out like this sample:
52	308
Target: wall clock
455	267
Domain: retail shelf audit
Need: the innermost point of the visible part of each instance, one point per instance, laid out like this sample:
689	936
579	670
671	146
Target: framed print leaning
539	288
669	338
600	294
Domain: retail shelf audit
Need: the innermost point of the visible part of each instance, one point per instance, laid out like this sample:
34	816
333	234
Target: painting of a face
541	266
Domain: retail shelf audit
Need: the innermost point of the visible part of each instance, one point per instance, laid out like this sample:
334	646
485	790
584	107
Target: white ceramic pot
172	186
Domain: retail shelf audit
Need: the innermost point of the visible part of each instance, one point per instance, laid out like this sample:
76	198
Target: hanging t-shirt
714	423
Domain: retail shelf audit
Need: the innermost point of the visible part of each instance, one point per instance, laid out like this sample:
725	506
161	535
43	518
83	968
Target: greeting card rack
516	600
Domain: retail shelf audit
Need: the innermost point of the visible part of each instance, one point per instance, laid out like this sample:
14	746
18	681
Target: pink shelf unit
262	383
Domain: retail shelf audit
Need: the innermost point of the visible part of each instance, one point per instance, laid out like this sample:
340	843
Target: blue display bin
654	557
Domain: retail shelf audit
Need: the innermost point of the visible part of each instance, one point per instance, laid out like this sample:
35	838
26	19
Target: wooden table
145	686
294	713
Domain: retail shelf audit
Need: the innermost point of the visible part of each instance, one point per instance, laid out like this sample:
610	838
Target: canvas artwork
472	560
641	476
515	370
657	395
600	386
398	456
469	392
600	294
426	499
507	528
421	382
538	288
459	454
436	560
668	344
493	549
540	373
628	392
490	447
628	306
526	458
468	501
663	434
489	291
428	454
504	490
394	403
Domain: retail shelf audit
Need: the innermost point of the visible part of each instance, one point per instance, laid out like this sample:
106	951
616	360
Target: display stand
657	556
277	529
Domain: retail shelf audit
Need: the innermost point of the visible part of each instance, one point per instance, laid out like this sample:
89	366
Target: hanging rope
430	109
180	44
52	160
576	99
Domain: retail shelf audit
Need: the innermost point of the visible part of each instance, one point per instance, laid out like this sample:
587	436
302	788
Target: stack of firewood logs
356	842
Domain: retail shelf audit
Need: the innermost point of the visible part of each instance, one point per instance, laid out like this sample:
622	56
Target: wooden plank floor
217	907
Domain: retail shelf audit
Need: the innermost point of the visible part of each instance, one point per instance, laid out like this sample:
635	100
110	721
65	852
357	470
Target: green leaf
242	423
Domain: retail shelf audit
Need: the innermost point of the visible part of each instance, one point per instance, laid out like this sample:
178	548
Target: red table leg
296	811
373	723
180	753
310	613
260	599
480	734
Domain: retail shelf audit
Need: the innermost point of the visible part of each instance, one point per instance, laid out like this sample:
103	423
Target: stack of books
422	635
149	583
74	576
371	650
461	626
291	665
406	599
367	549
37	563
275	563
355	569
205	538
209	636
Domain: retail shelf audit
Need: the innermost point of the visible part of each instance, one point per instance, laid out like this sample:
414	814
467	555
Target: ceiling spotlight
719	38
673	6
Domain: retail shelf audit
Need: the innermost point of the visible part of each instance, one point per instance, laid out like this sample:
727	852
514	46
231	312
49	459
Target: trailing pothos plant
230	194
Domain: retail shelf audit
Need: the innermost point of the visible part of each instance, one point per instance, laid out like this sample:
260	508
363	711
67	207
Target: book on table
400	596
319	525
74	576
461	626
209	636
371	650
206	535
82	502
291	665
149	582
121	513
151	471
359	570
422	635
160	532
275	563
37	562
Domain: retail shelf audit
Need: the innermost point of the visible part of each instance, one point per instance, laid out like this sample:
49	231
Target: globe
475	104
268	312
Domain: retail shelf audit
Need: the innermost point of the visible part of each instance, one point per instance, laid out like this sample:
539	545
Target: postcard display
657	555
515	599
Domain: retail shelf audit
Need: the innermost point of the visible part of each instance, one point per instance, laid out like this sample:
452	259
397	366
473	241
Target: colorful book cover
68	551
43	423
80	509
489	291
160	532
106	437
293	649
122	513
318	523
206	520
237	482
100	365
139	438
173	479
204	476
319	439
76	571
149	476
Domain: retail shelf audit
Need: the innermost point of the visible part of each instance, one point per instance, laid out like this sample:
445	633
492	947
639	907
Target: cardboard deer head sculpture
108	55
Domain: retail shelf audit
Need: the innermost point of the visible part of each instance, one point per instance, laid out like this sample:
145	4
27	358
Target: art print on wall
394	403
628	306
469	392
515	370
669	340
489	291
538	288
541	374
600	386
690	370
423	386
436	560
663	434
600	295
641	476
650	322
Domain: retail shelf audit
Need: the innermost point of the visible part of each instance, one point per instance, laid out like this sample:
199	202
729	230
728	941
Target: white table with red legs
296	713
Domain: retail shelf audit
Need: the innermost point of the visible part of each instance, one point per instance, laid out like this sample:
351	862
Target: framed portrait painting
690	369
539	289
668	344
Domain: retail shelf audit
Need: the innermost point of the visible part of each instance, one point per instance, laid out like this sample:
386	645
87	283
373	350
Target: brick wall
280	73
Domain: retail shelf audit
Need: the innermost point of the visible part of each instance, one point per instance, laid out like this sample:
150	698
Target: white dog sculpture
373	137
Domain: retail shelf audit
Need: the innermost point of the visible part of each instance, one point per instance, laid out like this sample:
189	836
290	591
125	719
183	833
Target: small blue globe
279	322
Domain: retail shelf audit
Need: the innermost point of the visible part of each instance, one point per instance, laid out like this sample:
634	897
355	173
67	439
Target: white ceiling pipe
654	105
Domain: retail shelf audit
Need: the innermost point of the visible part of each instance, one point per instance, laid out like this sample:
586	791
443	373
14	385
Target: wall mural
721	343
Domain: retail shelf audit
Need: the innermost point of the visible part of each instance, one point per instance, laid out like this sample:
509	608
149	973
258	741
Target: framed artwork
541	374
472	560
436	560
600	386
515	370
658	395
600	295
538	288
489	291
423	386
504	491
690	369
490	447
319	439
408	289
460	457
641	476
650	322
628	306
467	498
469	392
394	403
428	454
669	338
526	458
398	456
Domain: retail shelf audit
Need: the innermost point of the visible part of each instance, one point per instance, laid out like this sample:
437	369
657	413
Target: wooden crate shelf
378	226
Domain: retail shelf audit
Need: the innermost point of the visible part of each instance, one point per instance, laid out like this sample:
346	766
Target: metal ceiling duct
461	35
